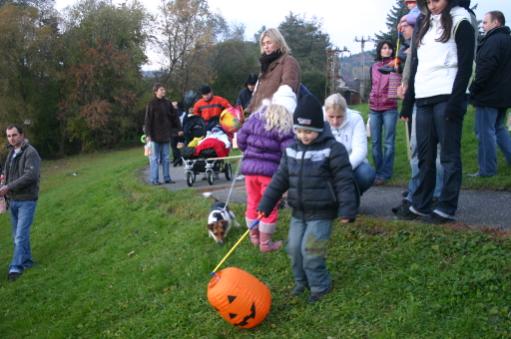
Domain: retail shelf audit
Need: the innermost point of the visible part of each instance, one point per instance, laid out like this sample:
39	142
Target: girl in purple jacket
262	139
383	114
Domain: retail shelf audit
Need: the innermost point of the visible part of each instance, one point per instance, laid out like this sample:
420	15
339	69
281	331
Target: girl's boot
265	243
254	236
254	232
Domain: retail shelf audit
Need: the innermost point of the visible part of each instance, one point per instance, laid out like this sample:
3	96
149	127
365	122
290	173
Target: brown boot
254	236
265	243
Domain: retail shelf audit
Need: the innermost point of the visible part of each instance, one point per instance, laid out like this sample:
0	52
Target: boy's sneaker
298	289
315	297
13	276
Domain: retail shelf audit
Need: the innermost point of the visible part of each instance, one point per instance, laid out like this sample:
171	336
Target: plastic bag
148	149
394	83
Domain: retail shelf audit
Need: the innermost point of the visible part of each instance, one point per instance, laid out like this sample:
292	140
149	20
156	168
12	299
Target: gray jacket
22	173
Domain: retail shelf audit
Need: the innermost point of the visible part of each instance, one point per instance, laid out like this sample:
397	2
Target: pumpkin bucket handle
254	224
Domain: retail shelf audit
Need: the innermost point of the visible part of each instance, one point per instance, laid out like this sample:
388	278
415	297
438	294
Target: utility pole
362	40
331	61
343	52
333	68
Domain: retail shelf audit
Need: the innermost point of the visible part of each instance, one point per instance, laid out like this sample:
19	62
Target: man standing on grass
490	93
161	125
20	185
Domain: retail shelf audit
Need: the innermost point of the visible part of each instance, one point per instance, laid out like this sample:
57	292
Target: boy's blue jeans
307	247
22	215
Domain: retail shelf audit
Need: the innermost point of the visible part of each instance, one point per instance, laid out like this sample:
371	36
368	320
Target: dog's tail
209	195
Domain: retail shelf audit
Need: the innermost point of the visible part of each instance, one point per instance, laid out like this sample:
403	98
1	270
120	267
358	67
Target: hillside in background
351	68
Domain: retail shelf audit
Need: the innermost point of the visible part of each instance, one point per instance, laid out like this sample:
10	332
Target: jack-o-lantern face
234	317
241	299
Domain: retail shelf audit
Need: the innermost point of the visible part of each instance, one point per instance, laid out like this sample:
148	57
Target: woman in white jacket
348	128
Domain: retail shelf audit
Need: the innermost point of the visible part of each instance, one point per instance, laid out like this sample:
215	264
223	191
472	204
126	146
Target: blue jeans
383	161
414	164
364	176
490	132
433	128
307	247
22	215
160	155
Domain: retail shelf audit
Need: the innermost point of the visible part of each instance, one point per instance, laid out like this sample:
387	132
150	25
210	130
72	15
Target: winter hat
251	80
309	114
411	18
285	96
204	89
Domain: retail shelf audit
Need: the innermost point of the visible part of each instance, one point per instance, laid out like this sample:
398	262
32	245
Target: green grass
118	258
502	181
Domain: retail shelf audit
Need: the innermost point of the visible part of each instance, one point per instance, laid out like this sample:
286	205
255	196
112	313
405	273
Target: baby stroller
204	148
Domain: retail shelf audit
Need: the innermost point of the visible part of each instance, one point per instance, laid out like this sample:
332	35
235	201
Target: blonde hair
277	38
278	118
336	102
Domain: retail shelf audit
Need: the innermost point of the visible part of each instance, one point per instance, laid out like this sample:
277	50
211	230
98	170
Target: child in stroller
203	146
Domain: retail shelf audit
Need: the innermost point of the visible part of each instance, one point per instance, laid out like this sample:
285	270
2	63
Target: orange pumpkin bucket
240	298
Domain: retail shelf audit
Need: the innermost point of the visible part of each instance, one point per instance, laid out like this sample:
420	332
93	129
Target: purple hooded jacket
262	149
378	99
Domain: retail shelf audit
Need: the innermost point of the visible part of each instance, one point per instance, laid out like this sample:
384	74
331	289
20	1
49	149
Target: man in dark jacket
316	172
20	185
491	93
161	124
246	93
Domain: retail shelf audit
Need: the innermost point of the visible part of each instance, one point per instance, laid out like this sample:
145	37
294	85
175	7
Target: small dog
220	220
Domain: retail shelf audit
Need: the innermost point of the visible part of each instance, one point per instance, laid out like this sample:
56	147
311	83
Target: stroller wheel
211	177
228	171
190	178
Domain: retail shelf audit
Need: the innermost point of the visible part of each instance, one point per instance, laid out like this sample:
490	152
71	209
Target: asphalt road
477	209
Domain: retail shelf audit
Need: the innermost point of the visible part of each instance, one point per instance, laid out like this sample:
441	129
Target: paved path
477	209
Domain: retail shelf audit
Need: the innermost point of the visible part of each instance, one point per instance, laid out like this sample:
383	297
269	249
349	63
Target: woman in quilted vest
442	58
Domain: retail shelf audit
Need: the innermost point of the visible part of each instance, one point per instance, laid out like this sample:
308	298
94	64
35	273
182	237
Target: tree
232	62
101	77
308	44
398	10
187	32
29	73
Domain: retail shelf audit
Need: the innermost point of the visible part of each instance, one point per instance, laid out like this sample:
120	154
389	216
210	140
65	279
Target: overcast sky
342	20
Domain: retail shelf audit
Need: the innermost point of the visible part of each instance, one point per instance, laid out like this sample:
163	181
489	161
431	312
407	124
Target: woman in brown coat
278	68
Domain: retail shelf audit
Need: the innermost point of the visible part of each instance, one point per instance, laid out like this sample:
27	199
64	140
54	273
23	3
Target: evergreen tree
397	11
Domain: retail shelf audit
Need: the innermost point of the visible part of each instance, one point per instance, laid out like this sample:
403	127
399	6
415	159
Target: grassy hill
118	258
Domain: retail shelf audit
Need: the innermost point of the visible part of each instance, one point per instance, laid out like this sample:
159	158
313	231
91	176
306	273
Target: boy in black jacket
316	172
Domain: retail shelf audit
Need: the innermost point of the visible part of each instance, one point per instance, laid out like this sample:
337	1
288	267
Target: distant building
348	91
